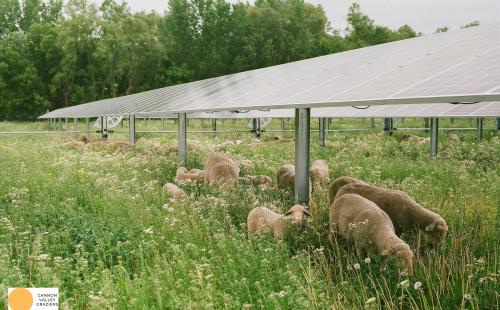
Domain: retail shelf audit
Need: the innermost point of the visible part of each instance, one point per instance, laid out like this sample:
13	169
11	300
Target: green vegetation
95	223
54	55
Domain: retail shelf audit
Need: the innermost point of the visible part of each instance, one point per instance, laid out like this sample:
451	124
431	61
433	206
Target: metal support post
75	121
322	133
283	125
87	127
162	124
131	127
434	137
214	126
479	135
182	139
302	141
104	127
389	125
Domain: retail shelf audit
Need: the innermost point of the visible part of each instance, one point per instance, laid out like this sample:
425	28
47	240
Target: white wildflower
357	266
42	257
417	285
467	296
405	283
368	260
148	230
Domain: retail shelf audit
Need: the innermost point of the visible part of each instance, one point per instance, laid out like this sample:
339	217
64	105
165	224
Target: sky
422	15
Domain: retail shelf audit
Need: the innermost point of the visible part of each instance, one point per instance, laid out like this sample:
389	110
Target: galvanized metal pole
162	124
302	142
372	122
479	135
388	125
214	126
322	131
283	125
87	126
104	126
75	121
434	137
182	139
66	124
131	127
498	123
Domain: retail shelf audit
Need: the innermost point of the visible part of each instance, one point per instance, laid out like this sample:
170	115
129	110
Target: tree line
55	55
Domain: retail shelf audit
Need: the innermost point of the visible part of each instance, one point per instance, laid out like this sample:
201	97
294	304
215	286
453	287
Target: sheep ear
288	213
307	212
431	227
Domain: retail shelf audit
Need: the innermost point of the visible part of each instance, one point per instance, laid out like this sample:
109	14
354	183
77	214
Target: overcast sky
422	15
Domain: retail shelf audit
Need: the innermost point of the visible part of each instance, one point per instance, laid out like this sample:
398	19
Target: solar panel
456	66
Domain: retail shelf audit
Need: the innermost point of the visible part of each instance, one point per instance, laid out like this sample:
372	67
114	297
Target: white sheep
262	219
405	213
194	175
362	222
338	183
174	190
453	138
220	168
285	178
319	173
258	180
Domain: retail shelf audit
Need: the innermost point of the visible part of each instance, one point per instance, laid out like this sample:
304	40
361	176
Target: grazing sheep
174	190
319	172
453	138
362	222
411	137
247	165
220	168
425	140
338	183
191	145
405	213
194	175
285	141
262	219
259	180
286	178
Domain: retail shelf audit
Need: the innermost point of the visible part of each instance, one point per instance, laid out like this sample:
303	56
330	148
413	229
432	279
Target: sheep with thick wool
361	222
319	173
405	213
338	183
193	175
174	190
286	178
262	219
220	169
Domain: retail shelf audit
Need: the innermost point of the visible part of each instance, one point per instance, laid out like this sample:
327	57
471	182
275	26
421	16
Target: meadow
95	222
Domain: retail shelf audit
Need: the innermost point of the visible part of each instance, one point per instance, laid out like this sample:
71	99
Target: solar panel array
457	66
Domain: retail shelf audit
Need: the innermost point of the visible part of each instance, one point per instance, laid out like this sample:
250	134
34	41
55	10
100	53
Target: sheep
259	180
246	165
220	168
425	140
174	190
262	219
405	213
191	145
338	183
319	172
453	138
286	178
194	175
411	137
362	222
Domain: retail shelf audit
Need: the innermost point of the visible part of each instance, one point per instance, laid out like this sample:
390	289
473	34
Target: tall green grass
94	222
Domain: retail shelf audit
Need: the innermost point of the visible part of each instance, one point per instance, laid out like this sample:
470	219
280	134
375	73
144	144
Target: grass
95	223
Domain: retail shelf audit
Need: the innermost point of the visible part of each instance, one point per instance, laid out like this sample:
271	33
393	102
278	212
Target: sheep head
437	230
297	214
404	253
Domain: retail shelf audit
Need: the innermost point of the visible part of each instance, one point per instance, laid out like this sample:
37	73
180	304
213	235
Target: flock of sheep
369	217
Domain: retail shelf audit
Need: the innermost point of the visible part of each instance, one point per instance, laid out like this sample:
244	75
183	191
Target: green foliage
50	60
95	222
